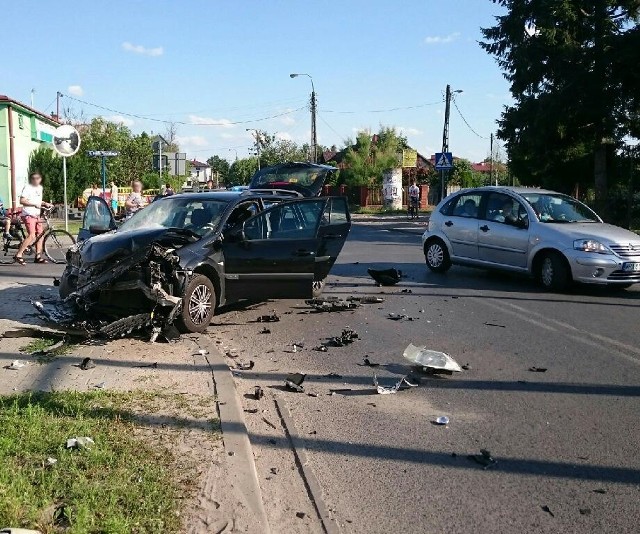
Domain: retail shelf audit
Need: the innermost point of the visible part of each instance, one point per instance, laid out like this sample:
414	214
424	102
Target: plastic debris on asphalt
442	420
546	509
366	299
366	362
15	365
245	366
331	304
389	390
87	364
538	369
258	393
430	359
100	385
400	317
385	277
272	318
202	352
294	382
484	459
347	337
82	442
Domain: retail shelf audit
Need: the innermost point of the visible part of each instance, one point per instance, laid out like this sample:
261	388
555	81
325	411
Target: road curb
239	454
311	482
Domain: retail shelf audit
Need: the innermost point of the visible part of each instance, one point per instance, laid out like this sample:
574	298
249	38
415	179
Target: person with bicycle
32	203
5	221
414	199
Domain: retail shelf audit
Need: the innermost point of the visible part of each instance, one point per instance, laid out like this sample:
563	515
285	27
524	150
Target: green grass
42	344
128	482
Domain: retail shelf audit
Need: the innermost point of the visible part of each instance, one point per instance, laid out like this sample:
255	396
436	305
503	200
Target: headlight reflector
590	245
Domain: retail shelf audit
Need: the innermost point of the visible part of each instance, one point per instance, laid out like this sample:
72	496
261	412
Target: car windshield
197	216
556	208
297	178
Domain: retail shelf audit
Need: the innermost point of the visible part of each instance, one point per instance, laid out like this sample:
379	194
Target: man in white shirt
414	199
31	200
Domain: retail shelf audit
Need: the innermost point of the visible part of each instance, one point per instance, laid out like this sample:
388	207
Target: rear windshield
296	178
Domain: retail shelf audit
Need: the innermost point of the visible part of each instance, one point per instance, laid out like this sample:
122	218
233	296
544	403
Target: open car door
98	219
332	233
273	254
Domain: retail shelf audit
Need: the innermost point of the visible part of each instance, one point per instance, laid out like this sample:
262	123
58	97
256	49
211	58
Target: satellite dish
66	140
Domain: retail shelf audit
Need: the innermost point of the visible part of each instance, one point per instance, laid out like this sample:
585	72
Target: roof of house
199	164
39	114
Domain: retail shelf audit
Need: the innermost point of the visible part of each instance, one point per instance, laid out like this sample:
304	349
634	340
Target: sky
218	67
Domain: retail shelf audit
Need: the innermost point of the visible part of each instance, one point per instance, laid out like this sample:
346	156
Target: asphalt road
566	439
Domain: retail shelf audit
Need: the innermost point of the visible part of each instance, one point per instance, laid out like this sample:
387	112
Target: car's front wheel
553	272
198	305
437	256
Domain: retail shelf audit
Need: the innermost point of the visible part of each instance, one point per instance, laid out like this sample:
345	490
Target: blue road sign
444	160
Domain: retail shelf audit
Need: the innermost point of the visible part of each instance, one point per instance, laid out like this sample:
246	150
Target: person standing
168	191
135	200
114	197
95	192
32	203
414	199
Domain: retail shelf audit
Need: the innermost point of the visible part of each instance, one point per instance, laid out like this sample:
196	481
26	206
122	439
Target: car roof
230	196
512	189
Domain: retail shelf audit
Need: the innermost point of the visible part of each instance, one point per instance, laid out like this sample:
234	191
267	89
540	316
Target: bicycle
412	212
55	242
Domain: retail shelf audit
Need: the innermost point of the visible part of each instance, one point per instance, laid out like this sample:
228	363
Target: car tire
198	305
318	287
437	256
553	272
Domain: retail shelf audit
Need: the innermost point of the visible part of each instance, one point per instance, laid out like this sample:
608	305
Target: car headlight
590	245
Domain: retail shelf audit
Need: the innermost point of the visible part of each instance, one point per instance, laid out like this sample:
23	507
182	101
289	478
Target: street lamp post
445	134
314	108
234	150
256	133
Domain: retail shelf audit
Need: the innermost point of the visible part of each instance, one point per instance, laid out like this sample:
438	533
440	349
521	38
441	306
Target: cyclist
5	221
31	200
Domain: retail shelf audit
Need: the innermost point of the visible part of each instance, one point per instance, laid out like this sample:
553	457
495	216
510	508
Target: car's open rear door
332	234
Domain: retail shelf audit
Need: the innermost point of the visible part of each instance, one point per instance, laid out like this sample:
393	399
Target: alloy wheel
435	255
199	304
546	273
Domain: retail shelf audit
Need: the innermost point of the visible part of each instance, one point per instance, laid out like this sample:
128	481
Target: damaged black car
176	261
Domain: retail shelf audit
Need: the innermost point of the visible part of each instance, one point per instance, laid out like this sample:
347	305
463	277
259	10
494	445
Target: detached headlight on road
590	245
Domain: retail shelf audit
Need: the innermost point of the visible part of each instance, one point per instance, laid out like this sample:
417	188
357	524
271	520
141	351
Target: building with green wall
22	130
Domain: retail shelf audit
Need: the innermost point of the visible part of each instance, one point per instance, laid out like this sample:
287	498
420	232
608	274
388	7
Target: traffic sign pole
66	142
104	176
66	206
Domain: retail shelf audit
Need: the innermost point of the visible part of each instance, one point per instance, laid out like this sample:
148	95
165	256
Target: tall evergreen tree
568	64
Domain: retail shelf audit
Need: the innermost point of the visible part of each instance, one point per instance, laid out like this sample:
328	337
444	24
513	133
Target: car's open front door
332	233
98	219
272	254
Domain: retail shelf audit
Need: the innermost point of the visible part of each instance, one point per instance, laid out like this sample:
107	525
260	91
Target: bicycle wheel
6	253
56	243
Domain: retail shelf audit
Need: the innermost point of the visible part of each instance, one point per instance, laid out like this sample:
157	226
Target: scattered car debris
312	395
401	317
366	299
15	365
496	325
202	352
331	304
270	318
601	491
388	390
585	511
301	515
430	359
366	362
406	290
442	420
50	462
294	382
82	442
484	459
251	410
274	470
546	509
153	365
385	277
269	423
100	385
87	364
265	330
538	369
245	366
258	393
347	337
321	348
466	367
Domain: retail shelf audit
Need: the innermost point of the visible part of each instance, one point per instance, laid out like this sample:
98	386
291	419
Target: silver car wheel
546	273
200	304
435	255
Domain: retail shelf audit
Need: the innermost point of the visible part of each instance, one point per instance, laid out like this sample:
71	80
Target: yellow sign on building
409	158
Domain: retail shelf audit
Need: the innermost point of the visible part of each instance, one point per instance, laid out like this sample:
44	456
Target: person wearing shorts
31	200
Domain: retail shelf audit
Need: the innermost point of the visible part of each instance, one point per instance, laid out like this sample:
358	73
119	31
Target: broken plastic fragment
273	318
15	365
366	300
50	461
258	393
368	363
388	390
83	442
442	420
294	382
245	366
538	369
484	459
100	385
430	358
87	364
265	330
385	277
202	352
546	509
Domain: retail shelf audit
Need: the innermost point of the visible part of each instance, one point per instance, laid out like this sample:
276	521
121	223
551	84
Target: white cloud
75	90
189	143
142	50
119	119
442	39
226	135
225	123
410	131
287	120
284	136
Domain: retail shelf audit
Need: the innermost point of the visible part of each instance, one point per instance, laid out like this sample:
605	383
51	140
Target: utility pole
491	163
58	95
256	133
445	138
160	160
314	110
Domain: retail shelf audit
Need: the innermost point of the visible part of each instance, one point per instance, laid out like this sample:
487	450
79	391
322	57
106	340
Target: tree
463	174
242	170
368	158
171	137
570	84
219	166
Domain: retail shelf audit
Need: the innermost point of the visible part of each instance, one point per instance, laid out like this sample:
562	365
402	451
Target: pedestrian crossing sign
444	160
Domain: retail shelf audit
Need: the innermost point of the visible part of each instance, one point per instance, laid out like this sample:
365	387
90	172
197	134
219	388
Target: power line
344	140
465	120
386	110
164	121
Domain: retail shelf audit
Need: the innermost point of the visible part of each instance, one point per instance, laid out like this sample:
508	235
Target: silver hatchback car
551	236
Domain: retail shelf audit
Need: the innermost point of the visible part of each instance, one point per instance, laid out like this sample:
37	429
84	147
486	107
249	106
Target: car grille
626	251
625	275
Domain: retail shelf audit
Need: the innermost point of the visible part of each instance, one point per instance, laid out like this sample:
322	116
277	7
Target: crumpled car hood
103	247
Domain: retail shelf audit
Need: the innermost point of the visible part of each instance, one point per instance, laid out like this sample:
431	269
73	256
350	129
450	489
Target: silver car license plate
631	267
